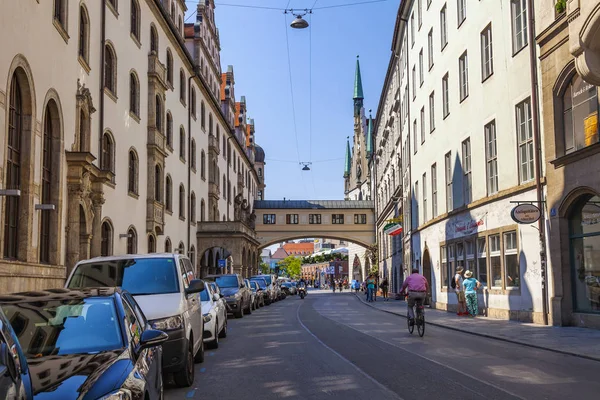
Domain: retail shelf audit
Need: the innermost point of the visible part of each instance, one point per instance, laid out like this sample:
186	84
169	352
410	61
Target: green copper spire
358	90
369	136
347	163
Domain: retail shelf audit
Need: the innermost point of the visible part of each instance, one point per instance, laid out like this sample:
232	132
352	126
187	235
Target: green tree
264	268
290	266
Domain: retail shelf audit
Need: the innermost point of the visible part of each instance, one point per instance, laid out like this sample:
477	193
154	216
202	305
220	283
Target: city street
333	346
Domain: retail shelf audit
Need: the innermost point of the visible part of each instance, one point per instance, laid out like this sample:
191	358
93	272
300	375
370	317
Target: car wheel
214	344
185	377
249	309
240	313
223	333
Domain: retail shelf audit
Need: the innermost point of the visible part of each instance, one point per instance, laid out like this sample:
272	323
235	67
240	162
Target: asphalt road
332	346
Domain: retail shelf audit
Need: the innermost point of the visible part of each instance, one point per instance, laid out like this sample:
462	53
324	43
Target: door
193	303
427	275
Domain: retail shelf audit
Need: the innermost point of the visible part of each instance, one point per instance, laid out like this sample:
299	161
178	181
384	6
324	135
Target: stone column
74	193
97	201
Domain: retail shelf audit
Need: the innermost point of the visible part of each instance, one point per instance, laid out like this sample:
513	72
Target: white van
165	288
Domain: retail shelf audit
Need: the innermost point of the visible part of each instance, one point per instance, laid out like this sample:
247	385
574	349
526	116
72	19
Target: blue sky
254	42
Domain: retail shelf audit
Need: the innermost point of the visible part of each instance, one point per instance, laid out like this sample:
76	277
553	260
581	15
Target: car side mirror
152	337
216	297
196	286
242	286
221	295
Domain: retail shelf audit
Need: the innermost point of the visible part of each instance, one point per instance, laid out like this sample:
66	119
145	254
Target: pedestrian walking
370	288
384	288
470	286
460	293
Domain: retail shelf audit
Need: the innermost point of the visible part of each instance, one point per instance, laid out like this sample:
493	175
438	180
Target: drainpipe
538	155
101	107
189	169
228	179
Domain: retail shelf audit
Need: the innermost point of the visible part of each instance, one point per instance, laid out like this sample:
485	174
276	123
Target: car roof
131	257
218	275
59	294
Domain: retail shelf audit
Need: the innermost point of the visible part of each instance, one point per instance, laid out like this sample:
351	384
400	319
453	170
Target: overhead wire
312	172
287	42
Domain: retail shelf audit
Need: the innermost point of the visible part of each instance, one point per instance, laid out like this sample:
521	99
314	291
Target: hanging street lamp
299	22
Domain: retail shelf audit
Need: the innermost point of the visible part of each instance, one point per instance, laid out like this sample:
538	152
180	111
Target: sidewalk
579	342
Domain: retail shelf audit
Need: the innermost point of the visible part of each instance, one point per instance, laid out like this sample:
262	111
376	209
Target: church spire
347	163
358	90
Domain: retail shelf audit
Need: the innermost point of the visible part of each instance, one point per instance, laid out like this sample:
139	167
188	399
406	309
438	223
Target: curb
485	335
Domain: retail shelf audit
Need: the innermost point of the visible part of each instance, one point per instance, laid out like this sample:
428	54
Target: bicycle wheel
411	328
421	325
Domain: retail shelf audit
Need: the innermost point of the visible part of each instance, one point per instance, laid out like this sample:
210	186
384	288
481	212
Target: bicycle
419	319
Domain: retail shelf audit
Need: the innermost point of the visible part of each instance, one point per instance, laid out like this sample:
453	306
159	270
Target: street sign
222	263
525	213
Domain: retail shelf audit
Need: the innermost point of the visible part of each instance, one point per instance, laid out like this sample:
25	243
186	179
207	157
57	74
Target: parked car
260	298
214	314
235	292
88	343
15	378
216	289
253	295
271	281
165	288
288	288
262	284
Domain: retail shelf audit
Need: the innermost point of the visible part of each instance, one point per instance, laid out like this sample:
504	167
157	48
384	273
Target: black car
87	344
15	379
235	292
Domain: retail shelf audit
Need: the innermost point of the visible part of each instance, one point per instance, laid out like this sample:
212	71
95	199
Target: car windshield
138	276
261	283
286	284
204	295
227	281
267	278
70	326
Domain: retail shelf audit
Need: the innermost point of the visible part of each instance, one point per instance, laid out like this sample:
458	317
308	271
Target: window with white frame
444	257
491	155
451	263
470	255
414	82
337	219
519	24
443	27
291	219
432	112
430	48
445	96
412	29
422	125
434	206
487	57
415	136
448	168
269	219
416	209
463	73
495	260
462	11
421	74
425	197
467	176
482	261
420	12
460	256
525	141
511	260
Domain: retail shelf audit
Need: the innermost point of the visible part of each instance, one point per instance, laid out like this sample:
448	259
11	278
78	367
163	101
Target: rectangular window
415	135
434	206
444	266
460	256
432	112
337	219
421	74
491	155
424	197
487	64
519	24
360	218
420	13
430	48
462	11
463	73
412	29
445	97
470	256
495	261
291	219
414	82
482	261
314	219
448	161
443	27
269	219
511	260
525	140
422	125
451	263
467	177
416	211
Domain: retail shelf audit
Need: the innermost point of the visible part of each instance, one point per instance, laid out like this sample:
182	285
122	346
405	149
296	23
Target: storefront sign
392	229
525	214
465	227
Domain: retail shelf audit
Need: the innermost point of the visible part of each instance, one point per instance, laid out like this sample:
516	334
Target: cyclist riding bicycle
416	286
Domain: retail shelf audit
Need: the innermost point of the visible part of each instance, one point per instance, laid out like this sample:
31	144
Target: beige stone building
116	139
570	72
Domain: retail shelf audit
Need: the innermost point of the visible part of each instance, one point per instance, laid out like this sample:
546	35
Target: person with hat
460	294
470	286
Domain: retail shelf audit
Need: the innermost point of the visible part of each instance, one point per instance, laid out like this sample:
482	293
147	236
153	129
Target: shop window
470	255
511	260
444	266
451	263
482	261
580	115
460	255
585	249
495	260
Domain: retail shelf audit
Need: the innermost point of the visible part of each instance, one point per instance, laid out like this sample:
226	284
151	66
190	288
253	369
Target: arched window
228	190
202	210
193	105
193	156
224	146
182	143
260	195
135	19
106	243
60	12
134	95
131	241
181	201
182	86
84	34
168	246
169	67
181	248
579	104
151	244
193	208
169	194
169	130
193	256
180	25
210	125
202	114
173	11
132	181
110	69
224	187
49	182
202	165
153	39
108	153
114	4
157	183
159	113
13	167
